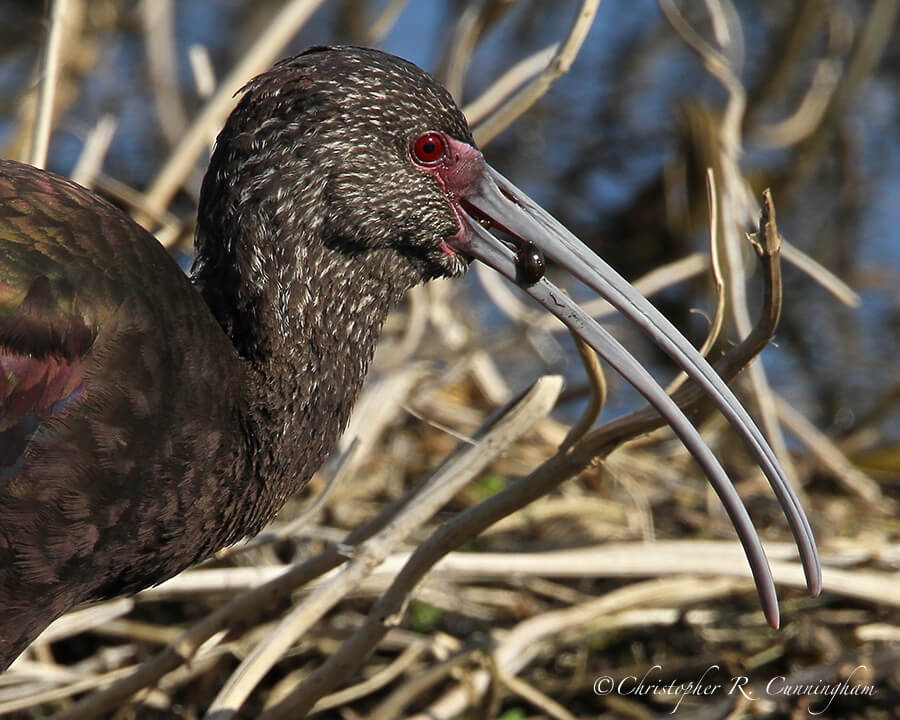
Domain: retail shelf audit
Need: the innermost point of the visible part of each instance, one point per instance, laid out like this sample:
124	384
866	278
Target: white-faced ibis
149	419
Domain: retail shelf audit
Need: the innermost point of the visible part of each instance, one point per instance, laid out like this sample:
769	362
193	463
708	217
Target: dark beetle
529	264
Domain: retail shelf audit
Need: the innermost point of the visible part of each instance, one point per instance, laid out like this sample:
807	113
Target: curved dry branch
531	93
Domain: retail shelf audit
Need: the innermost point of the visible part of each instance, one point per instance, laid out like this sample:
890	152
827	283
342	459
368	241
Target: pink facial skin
459	168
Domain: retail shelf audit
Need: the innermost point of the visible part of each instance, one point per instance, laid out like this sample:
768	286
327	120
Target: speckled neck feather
298	225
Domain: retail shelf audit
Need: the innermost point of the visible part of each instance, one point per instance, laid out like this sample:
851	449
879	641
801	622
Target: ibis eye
429	148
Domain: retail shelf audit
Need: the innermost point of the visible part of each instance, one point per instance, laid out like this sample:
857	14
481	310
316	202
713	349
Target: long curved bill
492	199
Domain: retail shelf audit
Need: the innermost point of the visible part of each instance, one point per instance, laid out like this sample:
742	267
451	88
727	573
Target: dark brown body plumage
113	488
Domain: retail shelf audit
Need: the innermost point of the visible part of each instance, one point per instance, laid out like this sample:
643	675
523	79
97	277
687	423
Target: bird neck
304	318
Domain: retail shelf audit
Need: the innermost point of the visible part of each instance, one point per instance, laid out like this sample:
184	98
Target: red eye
429	148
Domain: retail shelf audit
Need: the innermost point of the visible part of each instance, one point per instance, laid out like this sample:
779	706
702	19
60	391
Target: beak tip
768	600
773	616
815	587
812	568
